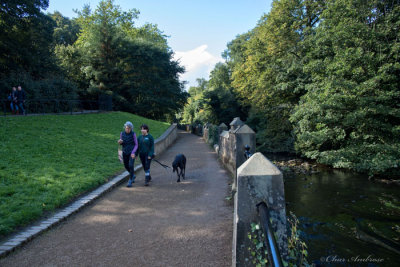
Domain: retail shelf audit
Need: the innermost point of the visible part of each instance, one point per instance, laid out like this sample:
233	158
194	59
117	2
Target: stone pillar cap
258	165
236	122
225	134
244	129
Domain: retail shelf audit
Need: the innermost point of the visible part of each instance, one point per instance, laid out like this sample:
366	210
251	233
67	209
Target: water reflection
344	214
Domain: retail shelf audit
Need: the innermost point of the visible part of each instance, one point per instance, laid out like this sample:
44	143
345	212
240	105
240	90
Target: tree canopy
319	78
101	52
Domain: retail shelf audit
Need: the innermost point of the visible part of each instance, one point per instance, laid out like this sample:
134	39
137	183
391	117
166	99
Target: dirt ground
165	224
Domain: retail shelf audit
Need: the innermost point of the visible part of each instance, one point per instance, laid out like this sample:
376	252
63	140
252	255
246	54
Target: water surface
346	219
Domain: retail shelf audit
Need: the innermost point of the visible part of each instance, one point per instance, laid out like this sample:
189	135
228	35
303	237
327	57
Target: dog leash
165	166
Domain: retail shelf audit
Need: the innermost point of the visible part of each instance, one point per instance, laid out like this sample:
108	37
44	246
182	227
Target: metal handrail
274	256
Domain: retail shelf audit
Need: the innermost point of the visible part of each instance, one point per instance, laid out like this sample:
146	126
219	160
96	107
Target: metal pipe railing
274	256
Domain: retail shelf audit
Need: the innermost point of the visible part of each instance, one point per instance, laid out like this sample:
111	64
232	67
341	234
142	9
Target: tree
25	37
150	33
133	65
220	98
65	31
269	76
26	51
350	116
151	84
193	111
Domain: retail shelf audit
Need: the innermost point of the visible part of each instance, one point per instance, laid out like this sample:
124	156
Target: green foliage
150	71
213	101
350	116
25	38
43	170
53	87
222	102
131	64
194	109
213	136
258	250
26	52
98	53
297	248
274	133
317	77
267	70
65	31
150	33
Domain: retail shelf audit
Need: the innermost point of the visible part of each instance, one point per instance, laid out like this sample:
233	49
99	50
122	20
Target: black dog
179	162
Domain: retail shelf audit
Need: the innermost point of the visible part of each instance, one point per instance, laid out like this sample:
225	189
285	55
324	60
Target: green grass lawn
46	161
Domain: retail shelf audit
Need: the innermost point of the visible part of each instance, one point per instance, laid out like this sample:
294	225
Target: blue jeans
13	106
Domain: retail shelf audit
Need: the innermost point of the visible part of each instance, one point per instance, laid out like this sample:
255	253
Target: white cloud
197	62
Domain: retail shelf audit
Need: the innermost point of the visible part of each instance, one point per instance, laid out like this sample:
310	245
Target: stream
345	219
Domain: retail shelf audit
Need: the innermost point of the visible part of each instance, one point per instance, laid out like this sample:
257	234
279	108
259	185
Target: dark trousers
146	163
129	164
21	107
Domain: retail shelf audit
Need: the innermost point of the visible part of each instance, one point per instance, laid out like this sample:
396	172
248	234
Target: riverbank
308	167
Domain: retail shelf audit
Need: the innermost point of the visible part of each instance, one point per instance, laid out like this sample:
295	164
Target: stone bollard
223	144
243	136
236	123
258	180
222	127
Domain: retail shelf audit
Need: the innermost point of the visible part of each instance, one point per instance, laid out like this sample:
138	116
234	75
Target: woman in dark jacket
13	99
146	151
21	99
129	144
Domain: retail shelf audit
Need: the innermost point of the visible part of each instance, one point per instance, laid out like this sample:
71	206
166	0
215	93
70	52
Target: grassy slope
45	161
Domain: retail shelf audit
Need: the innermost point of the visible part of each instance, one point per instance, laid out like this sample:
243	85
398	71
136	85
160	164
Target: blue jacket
130	143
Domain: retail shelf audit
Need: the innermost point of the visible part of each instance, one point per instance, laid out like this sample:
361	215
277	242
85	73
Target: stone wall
256	180
166	139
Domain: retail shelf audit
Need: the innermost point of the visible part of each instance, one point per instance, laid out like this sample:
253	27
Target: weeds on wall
296	247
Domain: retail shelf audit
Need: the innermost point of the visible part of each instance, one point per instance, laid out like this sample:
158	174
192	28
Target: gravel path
165	224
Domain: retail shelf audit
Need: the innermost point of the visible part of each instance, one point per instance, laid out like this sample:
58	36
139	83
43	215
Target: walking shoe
129	183
149	178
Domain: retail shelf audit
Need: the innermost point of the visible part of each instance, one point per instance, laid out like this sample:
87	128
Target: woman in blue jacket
129	144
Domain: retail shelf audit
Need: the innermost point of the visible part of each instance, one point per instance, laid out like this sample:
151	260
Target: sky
198	30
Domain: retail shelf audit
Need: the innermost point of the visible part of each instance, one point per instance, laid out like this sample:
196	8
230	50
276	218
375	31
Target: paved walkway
166	224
